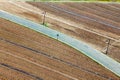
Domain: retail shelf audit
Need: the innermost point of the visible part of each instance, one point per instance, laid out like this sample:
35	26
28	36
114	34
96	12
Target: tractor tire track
21	71
49	56
37	65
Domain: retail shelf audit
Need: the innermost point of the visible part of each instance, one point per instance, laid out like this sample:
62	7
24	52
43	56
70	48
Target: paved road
97	56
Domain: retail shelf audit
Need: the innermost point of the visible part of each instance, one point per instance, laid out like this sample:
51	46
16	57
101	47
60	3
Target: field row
62	53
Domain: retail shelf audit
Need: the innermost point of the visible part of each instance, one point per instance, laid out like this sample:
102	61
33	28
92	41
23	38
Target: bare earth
91	32
42	50
48	59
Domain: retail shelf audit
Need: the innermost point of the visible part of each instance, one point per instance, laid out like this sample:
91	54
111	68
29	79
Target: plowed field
43	57
29	55
93	23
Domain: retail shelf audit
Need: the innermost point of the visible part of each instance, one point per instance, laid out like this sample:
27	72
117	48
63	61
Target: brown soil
39	42
30	68
60	53
76	18
94	11
8	74
71	30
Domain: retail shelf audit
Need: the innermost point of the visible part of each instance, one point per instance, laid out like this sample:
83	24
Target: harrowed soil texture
107	13
21	49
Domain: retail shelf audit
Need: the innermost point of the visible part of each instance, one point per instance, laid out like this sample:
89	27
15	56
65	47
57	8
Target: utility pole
44	14
108	44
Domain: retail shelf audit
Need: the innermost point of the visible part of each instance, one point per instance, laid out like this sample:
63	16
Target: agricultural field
30	55
39	54
90	24
95	27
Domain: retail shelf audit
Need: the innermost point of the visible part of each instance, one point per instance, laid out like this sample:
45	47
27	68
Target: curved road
97	56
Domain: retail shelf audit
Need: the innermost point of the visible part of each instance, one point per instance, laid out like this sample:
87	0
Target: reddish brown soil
8	74
92	10
76	18
95	11
17	34
20	35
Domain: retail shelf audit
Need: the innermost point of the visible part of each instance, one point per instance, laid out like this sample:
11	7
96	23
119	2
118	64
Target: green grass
46	24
